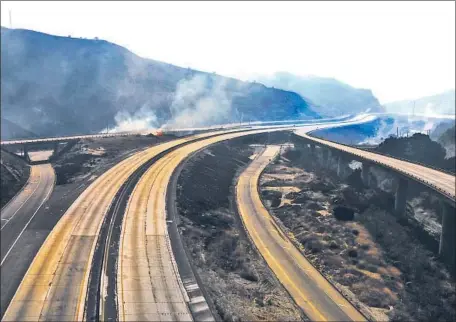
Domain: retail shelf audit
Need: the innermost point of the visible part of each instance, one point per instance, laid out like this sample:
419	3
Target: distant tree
418	147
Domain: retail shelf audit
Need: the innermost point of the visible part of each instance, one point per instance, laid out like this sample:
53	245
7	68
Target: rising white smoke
143	119
406	124
129	118
199	101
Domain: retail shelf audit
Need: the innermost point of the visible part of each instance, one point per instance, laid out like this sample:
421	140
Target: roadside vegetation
84	159
419	148
349	233
13	176
240	285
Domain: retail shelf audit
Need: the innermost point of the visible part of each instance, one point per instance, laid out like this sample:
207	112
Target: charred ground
348	231
238	281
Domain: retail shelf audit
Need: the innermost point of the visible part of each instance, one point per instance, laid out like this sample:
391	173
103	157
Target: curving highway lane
55	285
16	219
442	182
311	291
149	286
18	213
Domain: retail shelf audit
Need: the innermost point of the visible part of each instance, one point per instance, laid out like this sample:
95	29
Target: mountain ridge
440	103
331	96
54	85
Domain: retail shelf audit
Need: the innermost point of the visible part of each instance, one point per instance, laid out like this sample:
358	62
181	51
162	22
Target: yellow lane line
82	219
158	177
249	180
54	246
140	192
26	191
270	258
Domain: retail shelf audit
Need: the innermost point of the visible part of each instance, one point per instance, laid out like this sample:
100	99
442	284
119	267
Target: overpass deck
441	182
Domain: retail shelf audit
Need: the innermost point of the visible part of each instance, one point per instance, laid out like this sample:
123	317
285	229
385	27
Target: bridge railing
369	148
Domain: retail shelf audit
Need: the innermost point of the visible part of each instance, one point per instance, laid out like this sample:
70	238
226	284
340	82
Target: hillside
443	103
333	97
447	140
12	130
441	128
418	148
14	173
60	85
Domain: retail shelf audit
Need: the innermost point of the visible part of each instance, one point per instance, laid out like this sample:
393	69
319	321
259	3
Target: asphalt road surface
19	212
55	285
40	155
319	300
149	286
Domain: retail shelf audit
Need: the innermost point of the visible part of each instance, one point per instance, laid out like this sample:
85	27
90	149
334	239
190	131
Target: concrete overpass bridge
439	181
58	145
181	131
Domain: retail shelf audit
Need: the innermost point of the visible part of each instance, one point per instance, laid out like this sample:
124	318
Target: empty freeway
319	300
55	285
58	282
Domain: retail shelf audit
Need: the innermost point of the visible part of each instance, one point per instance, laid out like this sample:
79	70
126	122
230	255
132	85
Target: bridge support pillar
312	148
365	174
401	197
25	153
56	148
328	158
448	236
339	165
324	157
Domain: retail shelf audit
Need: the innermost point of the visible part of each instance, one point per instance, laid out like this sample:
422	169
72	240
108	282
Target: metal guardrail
342	119
63	138
425	182
119	134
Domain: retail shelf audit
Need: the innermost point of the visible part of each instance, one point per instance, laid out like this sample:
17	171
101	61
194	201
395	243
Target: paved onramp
311	291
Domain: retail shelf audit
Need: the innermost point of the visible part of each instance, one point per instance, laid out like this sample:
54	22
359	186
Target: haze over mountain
381	127
53	85
447	140
333	97
442	103
11	130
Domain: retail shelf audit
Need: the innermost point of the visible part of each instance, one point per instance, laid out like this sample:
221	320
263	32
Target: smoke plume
200	101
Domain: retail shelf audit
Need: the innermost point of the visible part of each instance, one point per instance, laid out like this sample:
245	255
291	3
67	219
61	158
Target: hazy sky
400	50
